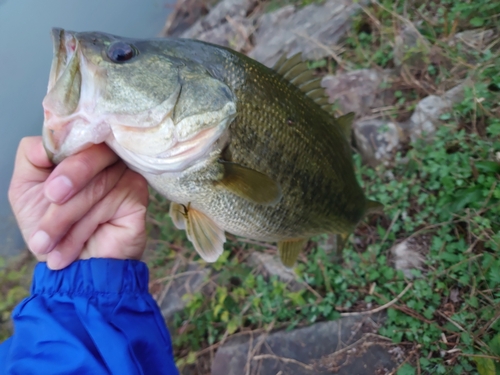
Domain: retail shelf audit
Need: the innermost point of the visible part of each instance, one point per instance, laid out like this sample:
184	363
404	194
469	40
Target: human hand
89	206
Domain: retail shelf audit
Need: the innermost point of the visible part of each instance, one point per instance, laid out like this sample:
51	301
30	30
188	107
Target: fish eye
120	52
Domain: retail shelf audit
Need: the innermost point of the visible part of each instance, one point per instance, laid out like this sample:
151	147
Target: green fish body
235	146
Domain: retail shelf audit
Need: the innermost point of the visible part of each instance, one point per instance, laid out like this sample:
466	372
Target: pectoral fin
250	184
290	250
177	215
207	238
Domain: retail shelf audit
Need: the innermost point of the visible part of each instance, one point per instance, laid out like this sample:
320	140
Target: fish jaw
69	123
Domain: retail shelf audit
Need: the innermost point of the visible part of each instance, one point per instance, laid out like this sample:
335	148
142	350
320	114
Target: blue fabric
94	317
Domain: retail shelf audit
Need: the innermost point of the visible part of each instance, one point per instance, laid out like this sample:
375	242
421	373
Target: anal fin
207	238
290	250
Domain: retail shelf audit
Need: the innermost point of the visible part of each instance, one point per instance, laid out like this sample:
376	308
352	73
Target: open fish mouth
67	126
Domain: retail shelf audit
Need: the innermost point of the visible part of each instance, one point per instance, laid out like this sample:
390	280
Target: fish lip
64	47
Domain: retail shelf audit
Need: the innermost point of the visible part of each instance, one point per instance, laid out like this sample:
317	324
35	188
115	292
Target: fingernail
54	259
58	189
39	242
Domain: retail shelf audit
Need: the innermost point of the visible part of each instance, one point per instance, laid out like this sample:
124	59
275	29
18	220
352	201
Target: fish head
157	109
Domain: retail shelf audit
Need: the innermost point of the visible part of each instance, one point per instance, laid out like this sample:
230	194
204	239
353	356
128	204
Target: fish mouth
66	128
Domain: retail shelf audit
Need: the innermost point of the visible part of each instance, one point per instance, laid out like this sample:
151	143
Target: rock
306	351
358	91
226	24
268	21
425	118
184	15
188	281
409	255
311	30
411	49
272	266
473	40
377	140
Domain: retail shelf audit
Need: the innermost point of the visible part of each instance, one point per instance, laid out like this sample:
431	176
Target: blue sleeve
94	317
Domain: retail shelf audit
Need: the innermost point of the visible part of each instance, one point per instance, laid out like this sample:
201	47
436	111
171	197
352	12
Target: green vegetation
14	281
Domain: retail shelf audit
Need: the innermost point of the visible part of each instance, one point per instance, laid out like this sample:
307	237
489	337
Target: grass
443	196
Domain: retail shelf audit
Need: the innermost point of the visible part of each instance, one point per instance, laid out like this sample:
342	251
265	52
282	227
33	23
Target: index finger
76	171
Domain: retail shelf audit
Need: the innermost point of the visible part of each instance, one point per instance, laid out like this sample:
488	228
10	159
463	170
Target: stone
184	15
409	255
473	40
316	349
411	49
359	91
311	30
425	118
188	281
377	140
233	34
227	24
270	265
268	21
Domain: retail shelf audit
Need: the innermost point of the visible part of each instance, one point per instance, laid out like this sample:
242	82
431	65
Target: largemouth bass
235	146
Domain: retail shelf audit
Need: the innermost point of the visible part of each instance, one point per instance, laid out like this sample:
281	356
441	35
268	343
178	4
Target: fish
235	146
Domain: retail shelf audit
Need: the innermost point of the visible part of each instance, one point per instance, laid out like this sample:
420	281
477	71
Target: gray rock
377	140
425	118
188	281
411	49
306	351
358	91
270	265
409	255
268	22
226	24
311	30
234	34
473	39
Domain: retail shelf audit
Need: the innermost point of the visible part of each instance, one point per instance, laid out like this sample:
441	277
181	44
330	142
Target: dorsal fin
296	71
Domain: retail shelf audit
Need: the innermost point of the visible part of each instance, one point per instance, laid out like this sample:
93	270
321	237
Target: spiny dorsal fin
295	70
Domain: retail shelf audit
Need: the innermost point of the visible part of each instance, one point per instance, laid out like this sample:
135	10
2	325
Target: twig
480	342
496	358
362	338
380	308
390	227
169	277
283	359
329	50
167	287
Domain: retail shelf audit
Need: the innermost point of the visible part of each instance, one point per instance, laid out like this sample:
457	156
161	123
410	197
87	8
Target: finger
75	172
32	166
58	219
113	228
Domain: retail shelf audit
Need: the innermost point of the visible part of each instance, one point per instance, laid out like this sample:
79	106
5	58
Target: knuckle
83	165
98	187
